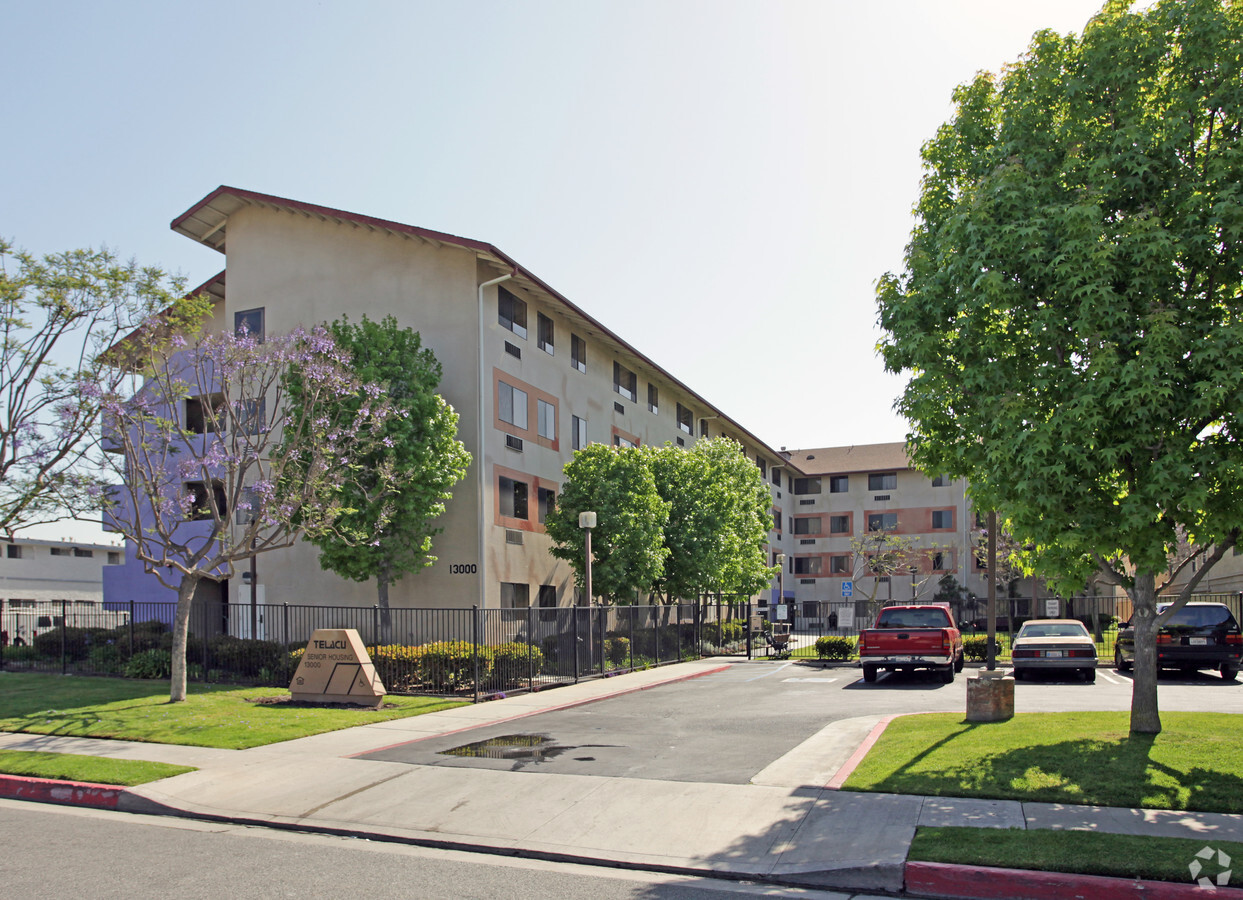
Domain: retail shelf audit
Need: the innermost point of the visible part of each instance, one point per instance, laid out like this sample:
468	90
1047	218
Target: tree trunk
383	578
181	632
1145	716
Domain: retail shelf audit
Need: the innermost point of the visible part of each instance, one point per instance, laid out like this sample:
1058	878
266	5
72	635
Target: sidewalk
785	826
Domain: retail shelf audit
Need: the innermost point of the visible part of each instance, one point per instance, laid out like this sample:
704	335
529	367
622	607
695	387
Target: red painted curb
536	712
857	757
69	793
925	879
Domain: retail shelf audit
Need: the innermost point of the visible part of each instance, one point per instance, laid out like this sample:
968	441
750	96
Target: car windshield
1058	630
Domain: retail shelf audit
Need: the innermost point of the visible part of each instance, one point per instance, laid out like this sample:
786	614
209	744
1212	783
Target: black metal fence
470	653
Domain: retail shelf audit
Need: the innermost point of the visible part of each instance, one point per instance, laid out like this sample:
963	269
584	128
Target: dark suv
1198	636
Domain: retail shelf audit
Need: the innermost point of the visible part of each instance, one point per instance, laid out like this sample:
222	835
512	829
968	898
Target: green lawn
211	716
1196	763
1081	852
94	769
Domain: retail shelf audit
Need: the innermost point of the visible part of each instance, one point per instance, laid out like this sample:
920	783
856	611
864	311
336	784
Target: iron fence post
599	648
131	625
4	645
575	637
64	627
530	648
285	656
747	625
475	644
633	610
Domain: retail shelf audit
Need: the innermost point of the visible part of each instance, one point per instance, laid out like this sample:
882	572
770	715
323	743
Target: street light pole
587	521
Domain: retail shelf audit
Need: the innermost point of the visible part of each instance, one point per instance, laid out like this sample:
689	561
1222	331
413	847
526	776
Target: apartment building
840	493
532	376
42	580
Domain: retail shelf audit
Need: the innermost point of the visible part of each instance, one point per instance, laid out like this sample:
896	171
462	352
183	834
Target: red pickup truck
912	637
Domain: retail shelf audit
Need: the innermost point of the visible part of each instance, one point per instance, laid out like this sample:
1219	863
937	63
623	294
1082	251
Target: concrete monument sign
336	668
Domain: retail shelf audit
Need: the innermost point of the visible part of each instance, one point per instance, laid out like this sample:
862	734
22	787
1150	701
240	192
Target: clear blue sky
721	183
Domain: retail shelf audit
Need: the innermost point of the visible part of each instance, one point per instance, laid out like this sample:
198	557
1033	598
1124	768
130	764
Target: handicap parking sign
848	588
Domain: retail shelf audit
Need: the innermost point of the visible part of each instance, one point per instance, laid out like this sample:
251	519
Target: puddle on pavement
533	747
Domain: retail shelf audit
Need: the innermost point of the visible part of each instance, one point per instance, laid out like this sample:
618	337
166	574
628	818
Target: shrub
398	666
150	664
243	657
77	642
513	663
448	665
833	647
21	654
731	632
976	648
106	659
617	650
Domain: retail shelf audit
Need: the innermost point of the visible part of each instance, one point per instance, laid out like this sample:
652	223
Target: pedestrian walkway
786	825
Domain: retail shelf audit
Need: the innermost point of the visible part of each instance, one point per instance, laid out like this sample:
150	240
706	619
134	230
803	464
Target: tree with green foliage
1071	310
628	541
719	518
414	460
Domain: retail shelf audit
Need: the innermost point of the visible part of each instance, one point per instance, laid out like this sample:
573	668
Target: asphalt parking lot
728	726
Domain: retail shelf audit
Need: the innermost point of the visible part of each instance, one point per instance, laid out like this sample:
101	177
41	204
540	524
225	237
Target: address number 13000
463	569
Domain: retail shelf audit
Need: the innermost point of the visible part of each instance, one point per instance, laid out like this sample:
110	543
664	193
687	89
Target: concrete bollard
990	697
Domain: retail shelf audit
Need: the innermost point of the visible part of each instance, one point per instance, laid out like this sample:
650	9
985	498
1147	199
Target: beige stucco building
533	377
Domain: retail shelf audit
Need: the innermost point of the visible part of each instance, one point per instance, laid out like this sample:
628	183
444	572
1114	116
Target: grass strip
211	716
94	769
1075	852
1195	763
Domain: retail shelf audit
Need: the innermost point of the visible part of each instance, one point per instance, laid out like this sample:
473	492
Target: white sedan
1058	644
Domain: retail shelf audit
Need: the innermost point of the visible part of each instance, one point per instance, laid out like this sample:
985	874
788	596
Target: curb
66	793
955	882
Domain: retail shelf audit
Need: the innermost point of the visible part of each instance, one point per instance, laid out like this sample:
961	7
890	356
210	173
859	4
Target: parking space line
808	680
1100	673
773	672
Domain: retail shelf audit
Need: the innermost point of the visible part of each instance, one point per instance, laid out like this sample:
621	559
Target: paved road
63	852
727	727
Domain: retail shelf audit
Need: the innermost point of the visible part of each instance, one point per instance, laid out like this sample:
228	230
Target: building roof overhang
207	222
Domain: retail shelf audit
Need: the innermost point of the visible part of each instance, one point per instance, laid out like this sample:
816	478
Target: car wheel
1229	672
869	674
1119	663
1089	675
947	674
959	662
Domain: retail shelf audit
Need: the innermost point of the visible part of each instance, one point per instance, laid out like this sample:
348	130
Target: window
883	481
511	312
653	399
515	596
578	353
806	565
839	565
703	428
60	551
625	382
252	416
619	441
776	520
811	609
203	414
763	464
578	433
513	405
547	419
202	506
513	496
806	485
548	602
547	500
882	521
114	557
807	526
839	524
249	322
544	334
14	551
839	484
941	481
942	518
777	476
938	561
248	506
83	553
686	420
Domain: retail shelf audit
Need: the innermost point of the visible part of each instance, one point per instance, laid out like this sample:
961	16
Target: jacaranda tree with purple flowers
58	314
215	466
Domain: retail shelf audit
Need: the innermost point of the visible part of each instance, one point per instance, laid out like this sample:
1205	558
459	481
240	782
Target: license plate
1054	654
902	658
1197	642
